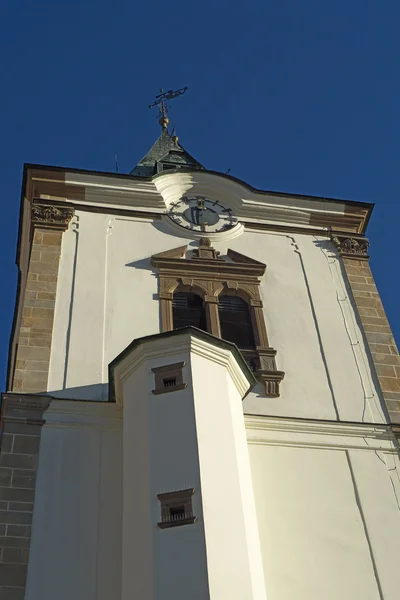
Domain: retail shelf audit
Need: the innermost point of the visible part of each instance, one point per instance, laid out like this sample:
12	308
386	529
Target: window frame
195	291
173	500
226	294
208	275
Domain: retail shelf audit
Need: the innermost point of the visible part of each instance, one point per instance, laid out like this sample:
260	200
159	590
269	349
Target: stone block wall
377	331
21	424
34	343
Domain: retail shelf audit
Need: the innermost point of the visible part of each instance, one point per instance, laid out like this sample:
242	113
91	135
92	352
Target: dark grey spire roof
165	154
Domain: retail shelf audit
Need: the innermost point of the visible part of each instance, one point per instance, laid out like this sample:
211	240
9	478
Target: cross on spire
161	103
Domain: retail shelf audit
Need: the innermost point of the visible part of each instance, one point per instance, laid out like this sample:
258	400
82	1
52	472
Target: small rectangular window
169	382
169	378
176	508
177	512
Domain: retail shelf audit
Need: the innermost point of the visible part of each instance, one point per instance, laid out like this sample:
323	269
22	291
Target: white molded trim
75	413
172	346
157	194
247	203
275	431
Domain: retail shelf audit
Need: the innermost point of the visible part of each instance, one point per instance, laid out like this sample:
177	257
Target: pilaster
34	340
379	336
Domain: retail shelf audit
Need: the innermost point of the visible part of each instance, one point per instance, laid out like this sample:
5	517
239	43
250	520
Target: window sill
177	523
174	388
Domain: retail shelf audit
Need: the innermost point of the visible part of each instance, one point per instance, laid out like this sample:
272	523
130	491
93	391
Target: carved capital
351	247
51	217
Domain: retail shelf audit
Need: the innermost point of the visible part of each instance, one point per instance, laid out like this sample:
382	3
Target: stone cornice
200	267
207	261
23	407
155	195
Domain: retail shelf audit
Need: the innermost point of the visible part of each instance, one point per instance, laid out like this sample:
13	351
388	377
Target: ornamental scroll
351	247
49	216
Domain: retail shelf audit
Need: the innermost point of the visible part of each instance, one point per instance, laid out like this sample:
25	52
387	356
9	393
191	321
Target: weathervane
161	103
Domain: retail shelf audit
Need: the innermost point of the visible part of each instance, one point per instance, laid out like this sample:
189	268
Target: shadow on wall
143	263
96	392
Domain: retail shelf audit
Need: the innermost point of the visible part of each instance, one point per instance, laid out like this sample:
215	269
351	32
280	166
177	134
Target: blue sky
295	96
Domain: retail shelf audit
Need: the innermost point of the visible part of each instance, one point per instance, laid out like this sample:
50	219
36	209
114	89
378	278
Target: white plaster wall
233	547
160	455
107	296
325	531
311	323
76	535
193	438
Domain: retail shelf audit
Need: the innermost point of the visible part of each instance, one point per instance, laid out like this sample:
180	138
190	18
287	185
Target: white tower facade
203	395
195	470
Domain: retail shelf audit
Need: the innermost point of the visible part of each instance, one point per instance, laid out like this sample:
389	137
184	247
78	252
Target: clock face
199	213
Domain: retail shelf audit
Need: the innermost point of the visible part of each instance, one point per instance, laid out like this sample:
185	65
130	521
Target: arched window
188	309
235	322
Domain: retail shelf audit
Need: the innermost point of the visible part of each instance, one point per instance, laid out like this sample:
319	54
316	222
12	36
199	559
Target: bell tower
203	395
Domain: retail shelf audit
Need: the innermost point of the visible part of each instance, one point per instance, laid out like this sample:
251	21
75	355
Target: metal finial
174	137
161	103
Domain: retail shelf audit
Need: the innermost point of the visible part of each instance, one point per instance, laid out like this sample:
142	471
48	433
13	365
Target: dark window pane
188	309
235	321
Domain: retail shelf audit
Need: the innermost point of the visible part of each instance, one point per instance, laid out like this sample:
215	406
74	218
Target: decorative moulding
224	358
155	195
23	407
271	381
206	263
209	275
249	203
351	247
278	431
109	189
169	378
75	413
176	508
47	216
